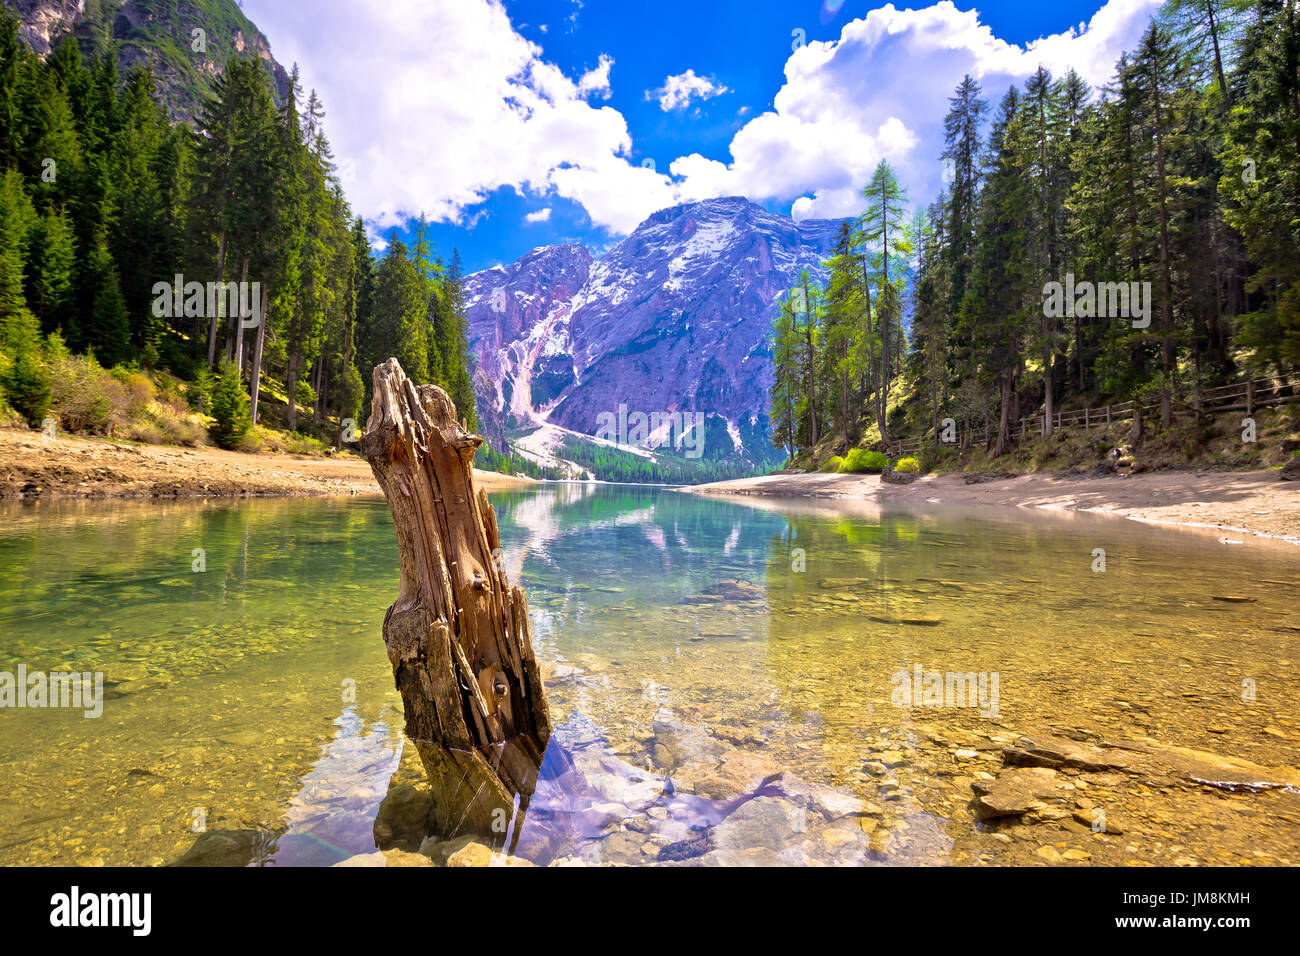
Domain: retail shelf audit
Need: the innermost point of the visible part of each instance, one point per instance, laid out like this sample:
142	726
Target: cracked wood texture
457	635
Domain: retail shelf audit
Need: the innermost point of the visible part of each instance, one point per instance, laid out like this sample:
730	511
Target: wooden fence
1244	396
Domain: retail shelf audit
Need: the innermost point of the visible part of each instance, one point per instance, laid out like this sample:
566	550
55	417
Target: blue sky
529	122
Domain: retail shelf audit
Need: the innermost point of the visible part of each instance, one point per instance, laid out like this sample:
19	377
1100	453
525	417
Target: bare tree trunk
1167	357
215	320
256	376
1218	59
1078	351
810	356
844	406
322	385
458	635
1004	418
1049	402
291	386
237	321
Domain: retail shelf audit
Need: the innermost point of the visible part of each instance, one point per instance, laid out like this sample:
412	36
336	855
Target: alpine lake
786	681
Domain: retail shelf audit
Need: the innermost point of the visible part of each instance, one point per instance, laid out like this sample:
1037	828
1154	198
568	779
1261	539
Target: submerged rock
1101	820
914	621
675	744
1055	752
829	802
727	591
738	772
832	584
240	738
229	848
1019	792
472	854
764	823
401	858
688	849
404	817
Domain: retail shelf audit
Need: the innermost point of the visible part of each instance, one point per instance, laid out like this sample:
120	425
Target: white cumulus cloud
678	91
880	91
434	104
595	82
541	215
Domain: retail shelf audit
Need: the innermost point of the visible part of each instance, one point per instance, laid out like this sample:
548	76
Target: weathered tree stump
457	635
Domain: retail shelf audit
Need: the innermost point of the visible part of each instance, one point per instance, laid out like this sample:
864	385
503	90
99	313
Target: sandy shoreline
1240	503
72	467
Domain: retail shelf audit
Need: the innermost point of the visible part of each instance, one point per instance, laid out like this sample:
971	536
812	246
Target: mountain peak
562	250
674	317
724	206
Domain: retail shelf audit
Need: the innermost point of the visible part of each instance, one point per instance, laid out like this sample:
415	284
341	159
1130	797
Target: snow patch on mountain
675	317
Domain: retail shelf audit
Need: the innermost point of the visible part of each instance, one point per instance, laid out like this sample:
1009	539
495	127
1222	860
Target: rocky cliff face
43	22
157	34
676	317
519	331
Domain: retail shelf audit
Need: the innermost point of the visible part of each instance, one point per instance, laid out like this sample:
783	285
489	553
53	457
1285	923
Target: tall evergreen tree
882	233
961	132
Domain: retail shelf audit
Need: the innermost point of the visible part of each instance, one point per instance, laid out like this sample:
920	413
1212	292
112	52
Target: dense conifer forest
119	232
1138	243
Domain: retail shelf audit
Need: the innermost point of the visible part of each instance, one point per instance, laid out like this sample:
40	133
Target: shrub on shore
120	402
860	460
27	385
230	408
908	466
261	438
82	395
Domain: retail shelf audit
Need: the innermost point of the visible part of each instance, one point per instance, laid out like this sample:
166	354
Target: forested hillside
117	229
1136	243
184	43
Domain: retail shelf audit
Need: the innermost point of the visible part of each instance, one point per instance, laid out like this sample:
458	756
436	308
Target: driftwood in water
457	635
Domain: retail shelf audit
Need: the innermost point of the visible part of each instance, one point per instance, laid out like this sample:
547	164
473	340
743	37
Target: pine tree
107	331
454	343
1205	28
883	234
139	223
27	382
1261	184
807	310
1001	304
356	296
230	408
1162	82
785	379
961	130
17	217
399	323
931	318
51	262
1041	143
844	307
